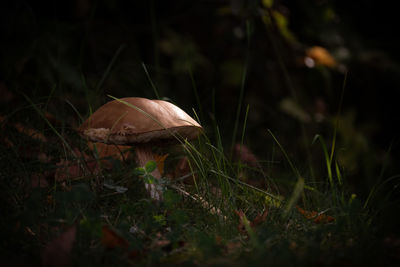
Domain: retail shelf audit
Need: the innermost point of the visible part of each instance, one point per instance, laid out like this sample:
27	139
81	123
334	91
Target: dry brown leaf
257	220
260	218
57	252
160	160
75	169
321	56
315	216
33	133
52	119
110	239
241	226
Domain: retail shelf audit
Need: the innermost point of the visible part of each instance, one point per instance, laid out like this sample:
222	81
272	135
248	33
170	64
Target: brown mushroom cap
133	120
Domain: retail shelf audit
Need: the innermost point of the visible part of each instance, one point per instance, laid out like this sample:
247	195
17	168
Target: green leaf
160	219
150	166
139	171
149	179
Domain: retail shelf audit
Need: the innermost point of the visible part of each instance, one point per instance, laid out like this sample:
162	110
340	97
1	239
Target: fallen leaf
242	217
320	56
110	239
260	218
160	160
52	119
68	169
257	220
57	252
33	133
315	216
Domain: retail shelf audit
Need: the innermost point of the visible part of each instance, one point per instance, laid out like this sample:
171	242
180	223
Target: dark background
83	50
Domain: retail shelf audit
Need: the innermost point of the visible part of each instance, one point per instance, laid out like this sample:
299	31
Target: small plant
148	178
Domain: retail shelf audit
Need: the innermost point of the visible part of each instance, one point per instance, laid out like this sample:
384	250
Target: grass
217	210
183	229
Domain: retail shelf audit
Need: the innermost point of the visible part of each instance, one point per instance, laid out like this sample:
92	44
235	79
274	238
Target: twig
203	202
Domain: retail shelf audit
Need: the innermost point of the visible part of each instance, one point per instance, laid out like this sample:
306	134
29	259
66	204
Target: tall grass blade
337	118
242	137
326	156
247	185
250	231
297	192
49	123
338	173
295	171
378	182
99	85
376	188
88	100
75	110
151	81
196	93
244	124
154	32
243	82
270	29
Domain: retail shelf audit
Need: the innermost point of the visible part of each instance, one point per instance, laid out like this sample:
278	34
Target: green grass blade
243	82
297	192
75	110
338	173
242	137
326	156
196	93
49	124
99	85
337	118
151	81
154	31
295	171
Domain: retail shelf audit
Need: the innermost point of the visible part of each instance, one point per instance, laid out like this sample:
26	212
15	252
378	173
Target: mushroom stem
144	154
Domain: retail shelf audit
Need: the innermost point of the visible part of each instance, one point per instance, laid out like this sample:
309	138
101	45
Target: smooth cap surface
135	120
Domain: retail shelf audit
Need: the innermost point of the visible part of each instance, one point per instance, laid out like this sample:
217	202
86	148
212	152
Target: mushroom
142	123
